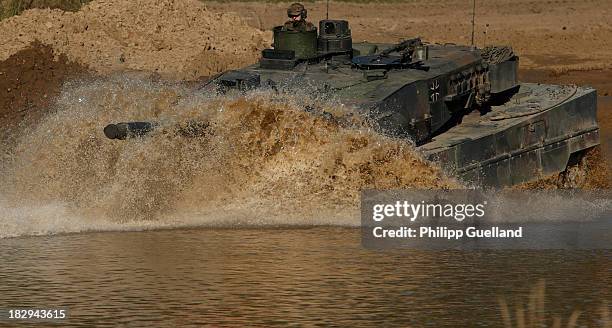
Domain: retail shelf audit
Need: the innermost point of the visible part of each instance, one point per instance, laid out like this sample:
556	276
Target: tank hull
532	135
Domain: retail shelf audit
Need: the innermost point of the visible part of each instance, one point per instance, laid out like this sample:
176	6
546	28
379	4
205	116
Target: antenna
473	18
327	12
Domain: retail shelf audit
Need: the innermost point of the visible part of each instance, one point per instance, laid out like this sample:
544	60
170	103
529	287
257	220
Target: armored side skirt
531	136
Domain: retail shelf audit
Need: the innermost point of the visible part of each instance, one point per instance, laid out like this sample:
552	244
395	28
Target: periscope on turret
460	105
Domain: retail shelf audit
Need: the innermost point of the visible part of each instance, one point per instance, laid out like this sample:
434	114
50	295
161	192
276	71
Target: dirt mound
177	39
29	81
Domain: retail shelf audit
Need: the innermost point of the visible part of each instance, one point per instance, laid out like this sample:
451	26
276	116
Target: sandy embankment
555	35
177	39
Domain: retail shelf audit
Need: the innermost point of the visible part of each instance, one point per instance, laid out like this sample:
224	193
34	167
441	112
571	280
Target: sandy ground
558	34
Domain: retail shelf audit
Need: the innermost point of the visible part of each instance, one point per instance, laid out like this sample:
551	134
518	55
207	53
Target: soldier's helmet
297	9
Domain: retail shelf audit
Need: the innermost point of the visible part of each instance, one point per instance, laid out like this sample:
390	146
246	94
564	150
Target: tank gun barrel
125	130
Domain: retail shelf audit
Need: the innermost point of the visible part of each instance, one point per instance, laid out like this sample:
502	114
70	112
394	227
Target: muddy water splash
262	160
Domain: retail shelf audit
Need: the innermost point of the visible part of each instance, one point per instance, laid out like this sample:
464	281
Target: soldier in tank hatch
297	19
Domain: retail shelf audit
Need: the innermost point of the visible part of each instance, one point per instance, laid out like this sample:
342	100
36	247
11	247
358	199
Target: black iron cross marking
434	91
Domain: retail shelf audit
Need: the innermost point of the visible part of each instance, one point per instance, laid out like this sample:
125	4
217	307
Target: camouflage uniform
301	25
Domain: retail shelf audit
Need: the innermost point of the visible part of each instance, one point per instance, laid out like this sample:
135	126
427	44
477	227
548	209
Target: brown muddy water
259	220
318	276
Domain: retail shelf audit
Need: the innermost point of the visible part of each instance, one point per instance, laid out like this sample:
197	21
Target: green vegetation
534	315
10	8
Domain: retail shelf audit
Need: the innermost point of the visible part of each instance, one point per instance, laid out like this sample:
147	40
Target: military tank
459	105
